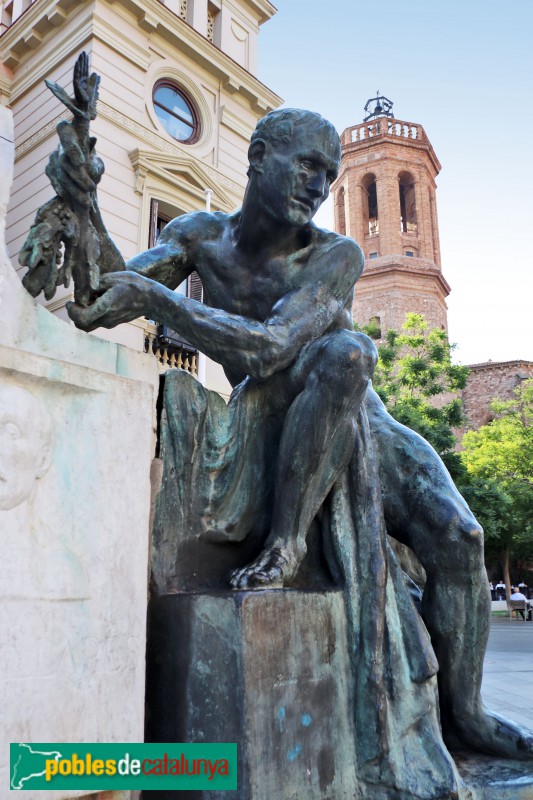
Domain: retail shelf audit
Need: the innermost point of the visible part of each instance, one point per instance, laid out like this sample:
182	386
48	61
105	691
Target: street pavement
508	670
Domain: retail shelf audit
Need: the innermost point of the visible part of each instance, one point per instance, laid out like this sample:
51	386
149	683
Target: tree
499	459
504	448
415	378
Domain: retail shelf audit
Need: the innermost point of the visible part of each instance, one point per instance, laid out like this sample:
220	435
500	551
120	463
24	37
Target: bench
519	605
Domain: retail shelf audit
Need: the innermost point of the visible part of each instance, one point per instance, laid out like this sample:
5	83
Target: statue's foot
488	732
275	567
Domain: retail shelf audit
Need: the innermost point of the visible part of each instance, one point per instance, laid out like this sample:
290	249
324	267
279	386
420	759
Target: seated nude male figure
278	296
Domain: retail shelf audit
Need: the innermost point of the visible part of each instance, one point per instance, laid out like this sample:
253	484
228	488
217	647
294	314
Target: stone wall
77	438
490	380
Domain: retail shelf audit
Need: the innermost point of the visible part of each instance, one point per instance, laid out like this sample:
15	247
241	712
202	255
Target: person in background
500	590
518	595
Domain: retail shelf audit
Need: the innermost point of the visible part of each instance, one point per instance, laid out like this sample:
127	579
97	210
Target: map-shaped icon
27	764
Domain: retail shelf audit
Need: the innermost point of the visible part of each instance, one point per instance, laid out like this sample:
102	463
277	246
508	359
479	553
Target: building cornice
355	149
423	269
42	17
29	30
45	63
488	365
261	9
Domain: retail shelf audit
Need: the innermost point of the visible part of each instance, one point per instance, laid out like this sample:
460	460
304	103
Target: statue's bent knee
347	360
462	546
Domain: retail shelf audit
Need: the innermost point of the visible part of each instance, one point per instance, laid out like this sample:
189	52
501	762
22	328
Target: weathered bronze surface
296	482
63	243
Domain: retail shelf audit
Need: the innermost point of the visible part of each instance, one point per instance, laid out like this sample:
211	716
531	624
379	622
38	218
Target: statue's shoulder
195	226
349	248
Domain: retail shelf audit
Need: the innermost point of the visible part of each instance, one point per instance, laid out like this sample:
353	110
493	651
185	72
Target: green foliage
504	448
413	376
498	458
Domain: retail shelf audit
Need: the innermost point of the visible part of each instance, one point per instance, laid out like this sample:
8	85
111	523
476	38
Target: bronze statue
303	416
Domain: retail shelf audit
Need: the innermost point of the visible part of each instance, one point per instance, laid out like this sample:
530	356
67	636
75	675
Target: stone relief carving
37	562
25	445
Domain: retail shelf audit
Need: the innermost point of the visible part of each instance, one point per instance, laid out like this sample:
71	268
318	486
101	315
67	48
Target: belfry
385	199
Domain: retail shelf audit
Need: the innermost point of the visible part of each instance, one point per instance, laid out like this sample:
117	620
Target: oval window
175	112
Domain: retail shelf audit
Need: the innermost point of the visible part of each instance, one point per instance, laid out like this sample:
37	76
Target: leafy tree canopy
415	378
498	485
503	449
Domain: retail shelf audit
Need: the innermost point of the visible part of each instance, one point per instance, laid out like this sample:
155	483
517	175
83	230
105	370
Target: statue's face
297	176
22	456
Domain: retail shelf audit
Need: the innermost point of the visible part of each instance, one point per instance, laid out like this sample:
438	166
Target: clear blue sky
464	70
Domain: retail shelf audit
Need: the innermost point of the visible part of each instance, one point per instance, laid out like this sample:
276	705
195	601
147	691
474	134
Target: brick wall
492	379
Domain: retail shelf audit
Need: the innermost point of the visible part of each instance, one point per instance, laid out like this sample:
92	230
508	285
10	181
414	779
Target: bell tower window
408	222
372	216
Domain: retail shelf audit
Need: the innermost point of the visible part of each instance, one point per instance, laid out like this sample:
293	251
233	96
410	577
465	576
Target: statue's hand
73	175
127	295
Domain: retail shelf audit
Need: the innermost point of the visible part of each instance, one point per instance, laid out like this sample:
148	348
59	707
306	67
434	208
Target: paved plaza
508	670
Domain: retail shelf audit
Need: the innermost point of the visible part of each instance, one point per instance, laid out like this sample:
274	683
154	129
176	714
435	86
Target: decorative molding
398	266
140	178
31	27
218	177
184	172
6	85
43	133
44	65
502	365
240	33
234	123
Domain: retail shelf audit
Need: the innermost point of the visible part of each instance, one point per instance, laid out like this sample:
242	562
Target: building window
190	287
176	112
372	255
408	223
371	209
409	253
373	329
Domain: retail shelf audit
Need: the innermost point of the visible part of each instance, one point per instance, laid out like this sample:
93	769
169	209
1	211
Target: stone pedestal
268	670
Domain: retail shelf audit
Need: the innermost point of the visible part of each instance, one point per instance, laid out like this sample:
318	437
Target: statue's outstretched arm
254	348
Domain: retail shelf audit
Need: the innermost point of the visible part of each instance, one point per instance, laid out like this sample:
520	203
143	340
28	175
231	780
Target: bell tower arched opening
408	217
370	205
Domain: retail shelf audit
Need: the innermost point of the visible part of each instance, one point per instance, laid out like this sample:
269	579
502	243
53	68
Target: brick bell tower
384	198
